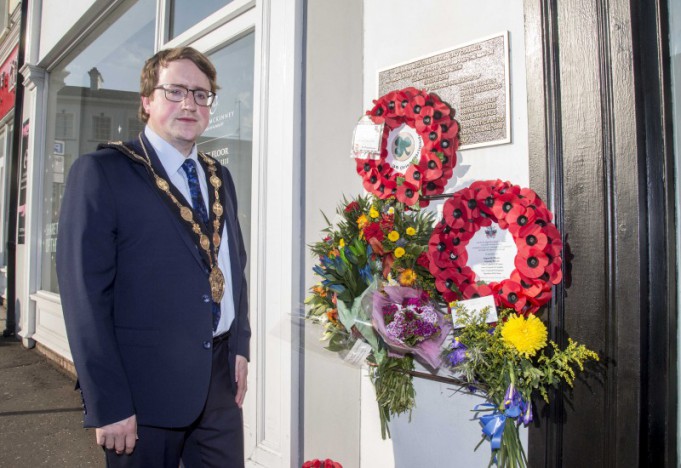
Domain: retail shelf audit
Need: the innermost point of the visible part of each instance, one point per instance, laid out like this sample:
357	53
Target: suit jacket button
206	298
207	344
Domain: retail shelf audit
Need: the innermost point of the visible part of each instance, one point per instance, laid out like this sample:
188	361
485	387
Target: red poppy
511	295
477	290
425	121
414	176
407	193
532	235
433	166
450	283
531	262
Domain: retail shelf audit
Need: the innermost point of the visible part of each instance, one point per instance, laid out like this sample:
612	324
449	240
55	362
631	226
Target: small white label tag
366	139
357	354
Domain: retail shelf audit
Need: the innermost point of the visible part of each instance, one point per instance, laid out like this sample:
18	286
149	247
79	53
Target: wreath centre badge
404	148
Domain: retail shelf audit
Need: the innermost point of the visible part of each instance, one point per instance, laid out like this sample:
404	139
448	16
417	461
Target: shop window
229	136
186	13
97	84
101	127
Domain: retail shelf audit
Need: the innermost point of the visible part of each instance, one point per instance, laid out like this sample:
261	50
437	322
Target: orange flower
332	315
407	277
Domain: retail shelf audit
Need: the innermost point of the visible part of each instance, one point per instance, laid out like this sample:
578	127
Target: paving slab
41	419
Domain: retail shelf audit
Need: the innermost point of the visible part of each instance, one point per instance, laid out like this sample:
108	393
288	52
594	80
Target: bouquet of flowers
510	361
375	242
373	239
409	322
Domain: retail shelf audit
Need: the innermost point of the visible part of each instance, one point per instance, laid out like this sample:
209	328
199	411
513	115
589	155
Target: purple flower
458	353
411	301
516	406
527	414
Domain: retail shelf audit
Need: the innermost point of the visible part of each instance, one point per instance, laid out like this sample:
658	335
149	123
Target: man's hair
152	67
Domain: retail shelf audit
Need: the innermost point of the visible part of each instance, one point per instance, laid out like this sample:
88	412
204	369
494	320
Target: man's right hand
120	436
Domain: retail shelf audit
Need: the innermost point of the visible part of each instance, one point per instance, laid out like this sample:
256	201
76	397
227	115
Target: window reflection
229	136
93	97
186	13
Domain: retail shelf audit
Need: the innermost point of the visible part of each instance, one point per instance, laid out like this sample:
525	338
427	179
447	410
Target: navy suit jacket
135	292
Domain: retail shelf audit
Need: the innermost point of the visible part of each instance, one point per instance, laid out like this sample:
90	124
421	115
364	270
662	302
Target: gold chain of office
210	245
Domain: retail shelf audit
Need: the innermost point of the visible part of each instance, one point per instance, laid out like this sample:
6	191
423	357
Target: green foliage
492	365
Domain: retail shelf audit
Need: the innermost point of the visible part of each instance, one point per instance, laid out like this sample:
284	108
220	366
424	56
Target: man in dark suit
150	261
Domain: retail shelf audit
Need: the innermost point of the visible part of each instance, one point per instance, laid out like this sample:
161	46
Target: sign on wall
473	78
8	80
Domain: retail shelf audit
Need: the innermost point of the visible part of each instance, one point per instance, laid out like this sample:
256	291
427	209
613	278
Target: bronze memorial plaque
473	79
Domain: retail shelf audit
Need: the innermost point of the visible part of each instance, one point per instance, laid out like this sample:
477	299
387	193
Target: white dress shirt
172	161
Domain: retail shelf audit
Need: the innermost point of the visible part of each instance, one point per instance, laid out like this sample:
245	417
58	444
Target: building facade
594	106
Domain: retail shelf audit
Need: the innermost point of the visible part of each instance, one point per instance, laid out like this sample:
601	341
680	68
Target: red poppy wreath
418	147
491	205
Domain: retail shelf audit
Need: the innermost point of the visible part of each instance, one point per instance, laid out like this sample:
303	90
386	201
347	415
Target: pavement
41	419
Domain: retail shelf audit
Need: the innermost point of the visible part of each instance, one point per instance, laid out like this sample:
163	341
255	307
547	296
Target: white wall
333	103
398	31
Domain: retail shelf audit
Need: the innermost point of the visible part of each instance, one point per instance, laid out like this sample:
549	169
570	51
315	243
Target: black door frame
599	105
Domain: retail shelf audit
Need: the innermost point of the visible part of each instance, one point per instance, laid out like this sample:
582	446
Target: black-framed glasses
178	93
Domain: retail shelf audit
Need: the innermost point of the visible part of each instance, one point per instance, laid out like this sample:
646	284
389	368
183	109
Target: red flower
414	176
425	122
407	193
387	222
511	295
353	206
532	236
373	231
423	260
531	262
477	290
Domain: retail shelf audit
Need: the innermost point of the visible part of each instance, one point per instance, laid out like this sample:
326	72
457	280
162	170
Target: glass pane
93	97
186	13
229	136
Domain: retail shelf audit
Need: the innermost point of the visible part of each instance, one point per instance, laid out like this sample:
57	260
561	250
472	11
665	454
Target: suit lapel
183	228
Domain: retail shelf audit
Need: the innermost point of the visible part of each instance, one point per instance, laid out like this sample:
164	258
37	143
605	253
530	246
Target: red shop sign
8	82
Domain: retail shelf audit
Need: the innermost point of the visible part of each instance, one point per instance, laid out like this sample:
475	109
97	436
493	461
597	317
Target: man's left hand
241	377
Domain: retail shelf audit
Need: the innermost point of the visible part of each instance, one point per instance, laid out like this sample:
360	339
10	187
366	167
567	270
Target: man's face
179	123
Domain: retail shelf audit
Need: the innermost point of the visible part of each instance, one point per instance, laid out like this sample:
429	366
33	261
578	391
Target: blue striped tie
199	206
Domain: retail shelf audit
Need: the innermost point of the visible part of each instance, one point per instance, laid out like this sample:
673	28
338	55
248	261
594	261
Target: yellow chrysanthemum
391	210
341	243
399	252
525	335
411	231
373	212
393	236
362	222
407	277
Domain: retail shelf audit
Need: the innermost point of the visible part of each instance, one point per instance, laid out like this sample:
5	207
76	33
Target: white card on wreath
366	139
476	306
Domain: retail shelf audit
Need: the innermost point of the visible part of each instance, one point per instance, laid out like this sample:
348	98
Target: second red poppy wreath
519	210
418	147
